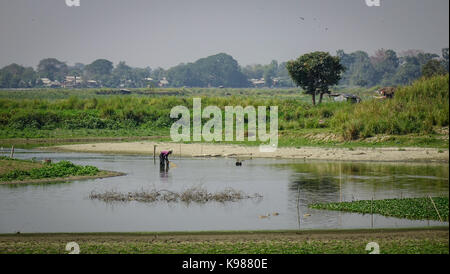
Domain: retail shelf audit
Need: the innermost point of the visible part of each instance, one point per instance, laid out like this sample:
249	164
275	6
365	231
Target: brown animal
387	92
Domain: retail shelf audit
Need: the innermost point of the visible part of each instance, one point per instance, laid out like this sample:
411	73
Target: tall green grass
116	113
418	108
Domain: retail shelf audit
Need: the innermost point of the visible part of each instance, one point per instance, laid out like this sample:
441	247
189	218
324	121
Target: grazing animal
387	92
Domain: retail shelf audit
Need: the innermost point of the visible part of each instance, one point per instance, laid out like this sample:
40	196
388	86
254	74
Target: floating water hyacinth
408	208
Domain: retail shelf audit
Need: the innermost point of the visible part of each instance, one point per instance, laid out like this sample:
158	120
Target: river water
287	187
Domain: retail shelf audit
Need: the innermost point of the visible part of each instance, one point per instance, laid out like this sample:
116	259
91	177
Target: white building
163	82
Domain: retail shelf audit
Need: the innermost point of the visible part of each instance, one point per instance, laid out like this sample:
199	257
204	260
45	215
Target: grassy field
51	94
417	116
398	241
409	208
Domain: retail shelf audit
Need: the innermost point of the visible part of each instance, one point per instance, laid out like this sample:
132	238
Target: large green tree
445	58
52	69
216	70
315	73
385	63
270	72
359	69
100	67
409	70
16	76
432	68
101	71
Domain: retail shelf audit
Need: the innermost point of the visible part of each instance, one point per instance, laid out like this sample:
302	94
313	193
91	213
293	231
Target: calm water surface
65	207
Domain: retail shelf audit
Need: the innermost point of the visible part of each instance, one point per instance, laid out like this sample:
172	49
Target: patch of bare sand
308	153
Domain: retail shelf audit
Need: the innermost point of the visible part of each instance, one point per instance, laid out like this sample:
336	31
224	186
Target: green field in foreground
266	247
390	241
409	208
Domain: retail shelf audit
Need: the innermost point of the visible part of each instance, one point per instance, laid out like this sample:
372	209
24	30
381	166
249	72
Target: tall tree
445	58
409	70
101	70
76	70
216	70
270	72
100	67
362	72
385	63
432	68
315	73
52	69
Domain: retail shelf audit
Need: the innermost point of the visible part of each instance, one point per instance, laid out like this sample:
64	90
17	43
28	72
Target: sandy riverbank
310	153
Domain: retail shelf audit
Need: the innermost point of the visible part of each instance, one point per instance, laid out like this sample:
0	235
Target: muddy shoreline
246	152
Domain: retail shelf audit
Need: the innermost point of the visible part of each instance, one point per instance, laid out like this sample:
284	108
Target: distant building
73	81
276	80
258	82
163	82
344	97
50	84
92	83
46	81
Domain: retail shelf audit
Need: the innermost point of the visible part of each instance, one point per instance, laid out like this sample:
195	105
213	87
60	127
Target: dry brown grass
191	195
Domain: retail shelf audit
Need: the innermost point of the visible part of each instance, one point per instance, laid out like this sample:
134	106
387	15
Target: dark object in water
238	163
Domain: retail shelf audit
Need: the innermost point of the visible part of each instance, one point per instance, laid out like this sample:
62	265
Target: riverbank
391	241
245	152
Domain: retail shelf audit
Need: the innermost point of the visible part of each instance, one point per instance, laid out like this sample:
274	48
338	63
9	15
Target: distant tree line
385	68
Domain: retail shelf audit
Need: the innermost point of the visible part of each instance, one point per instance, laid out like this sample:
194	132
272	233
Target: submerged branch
195	194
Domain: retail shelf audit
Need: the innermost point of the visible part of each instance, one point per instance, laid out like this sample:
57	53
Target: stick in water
435	208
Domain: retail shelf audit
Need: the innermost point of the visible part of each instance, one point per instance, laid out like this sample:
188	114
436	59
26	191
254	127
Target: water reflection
287	187
322	182
355	181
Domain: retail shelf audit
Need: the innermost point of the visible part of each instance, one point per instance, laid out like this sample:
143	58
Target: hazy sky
168	32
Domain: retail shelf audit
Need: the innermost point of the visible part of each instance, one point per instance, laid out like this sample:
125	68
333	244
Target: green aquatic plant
56	170
408	208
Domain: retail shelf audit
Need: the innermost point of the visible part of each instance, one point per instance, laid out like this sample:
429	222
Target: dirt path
310	153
